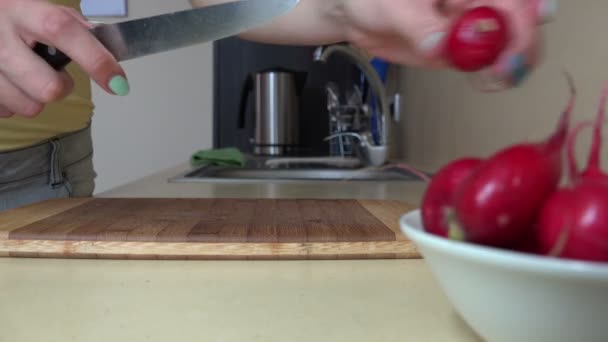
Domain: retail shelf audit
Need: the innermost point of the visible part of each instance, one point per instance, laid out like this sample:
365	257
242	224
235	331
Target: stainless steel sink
258	171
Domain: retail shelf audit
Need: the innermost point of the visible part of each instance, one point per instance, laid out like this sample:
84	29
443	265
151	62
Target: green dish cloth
219	157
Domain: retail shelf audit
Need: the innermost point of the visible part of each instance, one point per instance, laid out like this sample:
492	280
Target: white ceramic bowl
512	296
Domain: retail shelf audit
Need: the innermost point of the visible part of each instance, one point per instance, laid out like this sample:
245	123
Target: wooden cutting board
138	228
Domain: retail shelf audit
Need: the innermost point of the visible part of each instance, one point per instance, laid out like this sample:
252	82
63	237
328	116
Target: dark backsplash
235	59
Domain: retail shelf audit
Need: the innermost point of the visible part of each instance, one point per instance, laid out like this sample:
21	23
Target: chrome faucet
375	155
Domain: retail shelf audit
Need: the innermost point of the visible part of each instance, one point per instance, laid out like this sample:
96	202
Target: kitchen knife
141	37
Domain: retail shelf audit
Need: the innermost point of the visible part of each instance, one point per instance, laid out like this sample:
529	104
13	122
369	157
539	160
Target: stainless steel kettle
277	93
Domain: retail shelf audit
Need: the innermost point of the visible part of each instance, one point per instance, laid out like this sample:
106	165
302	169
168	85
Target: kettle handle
245	91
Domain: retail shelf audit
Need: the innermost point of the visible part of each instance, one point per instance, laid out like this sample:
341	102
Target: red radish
477	39
573	225
438	198
574	221
500	201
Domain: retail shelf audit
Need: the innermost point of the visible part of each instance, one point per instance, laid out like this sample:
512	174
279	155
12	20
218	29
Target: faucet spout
323	53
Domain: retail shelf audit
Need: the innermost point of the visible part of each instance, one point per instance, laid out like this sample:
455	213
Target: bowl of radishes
519	240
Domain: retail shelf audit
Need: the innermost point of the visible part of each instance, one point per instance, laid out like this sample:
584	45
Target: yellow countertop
95	300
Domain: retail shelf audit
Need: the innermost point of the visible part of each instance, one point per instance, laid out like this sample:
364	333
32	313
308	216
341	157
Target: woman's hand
27	82
412	32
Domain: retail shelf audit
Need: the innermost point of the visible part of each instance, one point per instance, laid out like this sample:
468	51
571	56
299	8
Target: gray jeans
59	168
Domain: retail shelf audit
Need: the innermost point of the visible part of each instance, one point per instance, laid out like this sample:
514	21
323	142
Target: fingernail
431	42
119	85
518	69
547	10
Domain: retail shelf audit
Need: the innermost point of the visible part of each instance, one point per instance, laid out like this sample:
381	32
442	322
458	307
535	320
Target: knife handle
56	59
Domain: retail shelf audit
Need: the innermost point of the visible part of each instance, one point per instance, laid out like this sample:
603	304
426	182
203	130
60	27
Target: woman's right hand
27	82
414	32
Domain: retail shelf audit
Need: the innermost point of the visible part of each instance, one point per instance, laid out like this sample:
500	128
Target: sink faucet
322	54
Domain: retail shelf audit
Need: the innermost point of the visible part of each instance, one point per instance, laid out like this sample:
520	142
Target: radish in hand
574	221
477	39
500	201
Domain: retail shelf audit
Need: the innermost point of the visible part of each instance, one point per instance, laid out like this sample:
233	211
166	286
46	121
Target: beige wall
443	118
167	116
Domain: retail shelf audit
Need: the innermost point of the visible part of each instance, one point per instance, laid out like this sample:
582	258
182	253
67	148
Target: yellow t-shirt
68	115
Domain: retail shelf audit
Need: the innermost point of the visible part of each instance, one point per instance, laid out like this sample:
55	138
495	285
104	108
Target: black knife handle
55	58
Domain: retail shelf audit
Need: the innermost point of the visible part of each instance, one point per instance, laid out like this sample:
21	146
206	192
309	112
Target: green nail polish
119	85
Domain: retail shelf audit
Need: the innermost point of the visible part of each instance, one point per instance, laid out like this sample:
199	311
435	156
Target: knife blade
141	37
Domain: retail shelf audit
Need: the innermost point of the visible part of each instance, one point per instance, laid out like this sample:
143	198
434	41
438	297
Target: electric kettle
277	93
